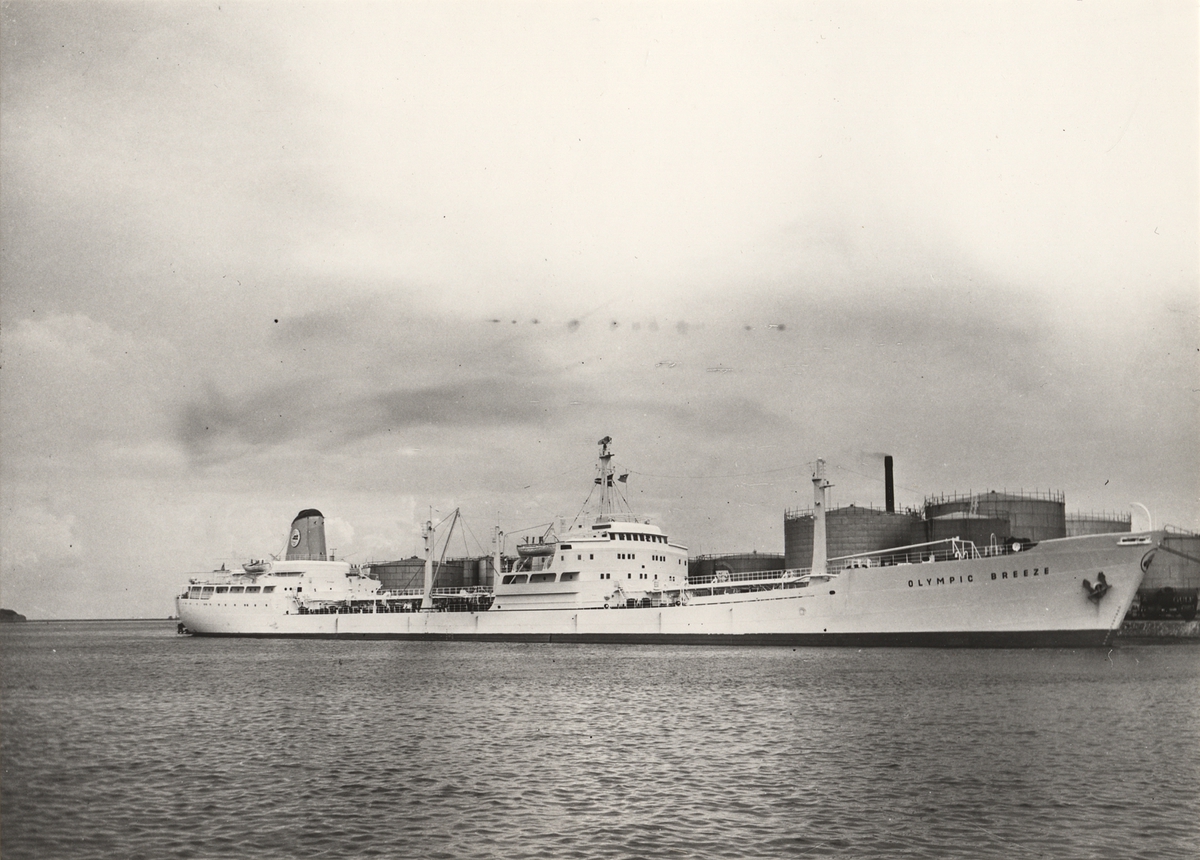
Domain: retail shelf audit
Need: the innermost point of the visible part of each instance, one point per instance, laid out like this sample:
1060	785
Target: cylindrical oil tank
981	531
1036	516
410	573
1176	564
743	562
1171	587
1097	524
848	531
483	571
399	575
457	573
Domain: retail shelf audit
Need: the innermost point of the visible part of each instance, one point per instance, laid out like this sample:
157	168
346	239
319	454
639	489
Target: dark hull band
959	639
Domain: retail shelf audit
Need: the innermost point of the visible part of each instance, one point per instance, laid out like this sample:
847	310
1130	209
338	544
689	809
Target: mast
427	596
605	480
819	549
499	551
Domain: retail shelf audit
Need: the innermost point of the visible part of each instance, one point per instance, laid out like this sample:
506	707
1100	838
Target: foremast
820	485
605	480
427	592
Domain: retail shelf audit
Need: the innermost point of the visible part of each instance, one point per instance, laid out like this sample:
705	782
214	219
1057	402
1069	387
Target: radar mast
605	480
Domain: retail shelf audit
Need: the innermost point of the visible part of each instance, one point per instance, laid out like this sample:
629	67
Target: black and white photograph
351	354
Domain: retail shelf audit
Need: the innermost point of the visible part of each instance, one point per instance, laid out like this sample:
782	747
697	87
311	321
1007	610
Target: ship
619	578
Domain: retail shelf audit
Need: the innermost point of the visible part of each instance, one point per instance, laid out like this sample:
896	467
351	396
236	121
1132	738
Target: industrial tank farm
1170	590
1098	524
848	531
1034	515
407	573
977	528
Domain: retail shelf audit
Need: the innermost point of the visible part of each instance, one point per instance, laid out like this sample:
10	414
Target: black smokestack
889	489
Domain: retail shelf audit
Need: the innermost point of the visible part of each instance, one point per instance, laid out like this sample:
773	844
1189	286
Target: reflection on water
124	740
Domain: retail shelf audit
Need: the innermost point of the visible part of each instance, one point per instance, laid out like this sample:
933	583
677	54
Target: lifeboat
536	550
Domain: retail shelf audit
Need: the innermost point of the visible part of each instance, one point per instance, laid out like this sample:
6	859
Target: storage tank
1171	587
1097	523
849	530
705	566
399	575
1176	564
484	571
1035	515
980	530
451	573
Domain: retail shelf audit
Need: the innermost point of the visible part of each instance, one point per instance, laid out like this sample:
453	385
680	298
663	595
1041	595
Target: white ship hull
1033	598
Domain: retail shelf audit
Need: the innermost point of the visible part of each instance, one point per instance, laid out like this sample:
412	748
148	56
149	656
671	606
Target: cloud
35	537
472	403
73	383
340	375
252	259
41	547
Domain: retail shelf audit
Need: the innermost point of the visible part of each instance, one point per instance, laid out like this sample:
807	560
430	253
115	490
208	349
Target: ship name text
930	581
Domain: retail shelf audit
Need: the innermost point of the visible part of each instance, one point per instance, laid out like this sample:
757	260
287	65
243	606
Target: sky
389	260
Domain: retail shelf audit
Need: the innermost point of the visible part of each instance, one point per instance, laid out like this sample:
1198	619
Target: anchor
1097	591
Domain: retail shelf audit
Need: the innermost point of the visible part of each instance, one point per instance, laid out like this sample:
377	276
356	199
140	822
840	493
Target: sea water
127	740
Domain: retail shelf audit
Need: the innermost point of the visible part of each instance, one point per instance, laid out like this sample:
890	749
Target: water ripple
123	740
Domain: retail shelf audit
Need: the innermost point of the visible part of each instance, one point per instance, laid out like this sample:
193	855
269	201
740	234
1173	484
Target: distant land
7	616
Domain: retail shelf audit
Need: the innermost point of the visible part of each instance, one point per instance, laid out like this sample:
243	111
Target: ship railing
216	577
1178	532
727	577
754	580
751	580
408	593
472	598
948	549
